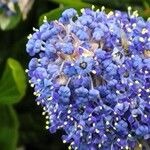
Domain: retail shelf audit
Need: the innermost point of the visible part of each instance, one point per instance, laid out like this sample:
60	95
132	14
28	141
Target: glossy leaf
8	128
51	15
12	83
72	3
119	4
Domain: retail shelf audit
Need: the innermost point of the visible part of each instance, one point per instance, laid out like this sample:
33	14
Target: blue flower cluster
8	7
91	73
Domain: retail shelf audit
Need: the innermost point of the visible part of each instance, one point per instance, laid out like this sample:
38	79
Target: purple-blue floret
91	73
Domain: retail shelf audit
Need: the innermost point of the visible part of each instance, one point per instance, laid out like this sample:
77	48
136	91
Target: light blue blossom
84	65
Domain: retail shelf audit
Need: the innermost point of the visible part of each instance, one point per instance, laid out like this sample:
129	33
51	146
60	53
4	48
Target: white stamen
26	70
118	140
141	39
45	19
47	127
102	8
93	7
82	10
29	36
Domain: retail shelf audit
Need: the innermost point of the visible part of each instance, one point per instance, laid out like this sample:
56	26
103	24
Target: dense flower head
91	73
8	7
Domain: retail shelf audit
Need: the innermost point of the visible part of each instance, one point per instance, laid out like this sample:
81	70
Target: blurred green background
22	125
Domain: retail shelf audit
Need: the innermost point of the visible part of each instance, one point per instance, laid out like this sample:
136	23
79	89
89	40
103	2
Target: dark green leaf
52	15
72	3
13	83
113	4
145	13
146	4
8	128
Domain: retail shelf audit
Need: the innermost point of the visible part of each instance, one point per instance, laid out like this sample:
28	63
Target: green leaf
145	13
146	4
12	83
9	22
72	3
8	128
51	15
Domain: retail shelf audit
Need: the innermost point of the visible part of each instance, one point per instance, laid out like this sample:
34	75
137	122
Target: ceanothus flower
91	73
84	65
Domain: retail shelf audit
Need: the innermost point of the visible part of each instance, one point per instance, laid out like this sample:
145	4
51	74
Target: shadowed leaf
8	128
12	83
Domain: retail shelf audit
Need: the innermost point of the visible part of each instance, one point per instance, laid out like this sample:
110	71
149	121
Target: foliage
12	89
12	83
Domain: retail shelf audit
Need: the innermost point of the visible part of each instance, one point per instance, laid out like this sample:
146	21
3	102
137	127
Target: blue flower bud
69	13
98	34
